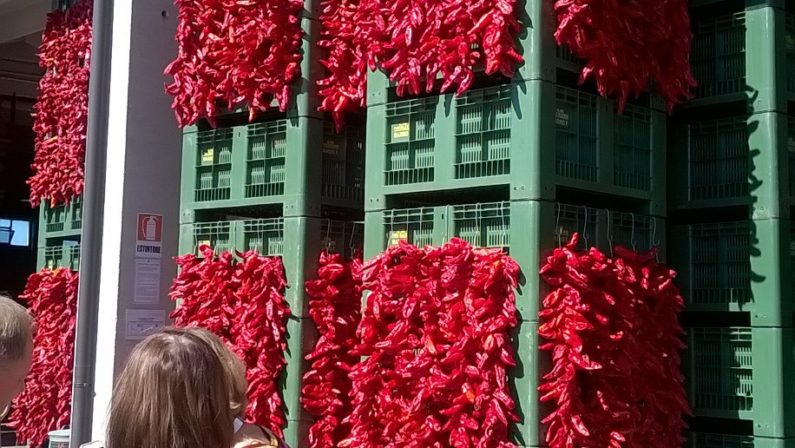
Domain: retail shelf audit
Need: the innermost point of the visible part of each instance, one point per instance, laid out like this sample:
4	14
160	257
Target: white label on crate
561	118
142	323
147	281
400	130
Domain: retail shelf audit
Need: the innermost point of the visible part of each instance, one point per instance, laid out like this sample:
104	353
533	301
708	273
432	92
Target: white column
143	177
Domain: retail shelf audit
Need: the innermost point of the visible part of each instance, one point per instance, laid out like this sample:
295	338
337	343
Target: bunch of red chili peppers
335	307
61	109
415	42
612	327
628	45
243	303
45	405
234	53
436	334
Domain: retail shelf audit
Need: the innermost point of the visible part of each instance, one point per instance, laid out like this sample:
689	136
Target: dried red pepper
612	327
335	307
436	334
234	53
243	303
415	42
45	405
345	87
61	109
628	45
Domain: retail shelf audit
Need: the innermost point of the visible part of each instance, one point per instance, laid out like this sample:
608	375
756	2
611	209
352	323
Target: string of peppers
627	46
335	307
612	327
436	336
415	42
234	53
243	303
61	108
45	404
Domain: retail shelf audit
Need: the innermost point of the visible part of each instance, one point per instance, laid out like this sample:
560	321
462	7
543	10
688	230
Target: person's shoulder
252	436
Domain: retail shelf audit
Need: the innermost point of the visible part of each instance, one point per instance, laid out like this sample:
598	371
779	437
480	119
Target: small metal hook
557	228
609	231
327	239
585	228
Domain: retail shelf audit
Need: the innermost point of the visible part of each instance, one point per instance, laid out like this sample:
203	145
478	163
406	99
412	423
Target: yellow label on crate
397	236
208	156
331	147
400	130
204	243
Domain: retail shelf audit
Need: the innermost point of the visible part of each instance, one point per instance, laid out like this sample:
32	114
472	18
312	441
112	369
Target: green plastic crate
301	163
576	143
60	254
718	270
62	220
267	236
718	55
529	136
743	373
734	56
489	225
712	440
741	266
483	133
411	140
633	148
717	161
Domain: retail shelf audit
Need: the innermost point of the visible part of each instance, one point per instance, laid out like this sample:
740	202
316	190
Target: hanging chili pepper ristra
628	46
234	54
45	404
60	114
243	303
611	325
335	307
436	336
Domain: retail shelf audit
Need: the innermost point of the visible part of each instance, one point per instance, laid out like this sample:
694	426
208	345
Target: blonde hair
16	330
233	367
173	393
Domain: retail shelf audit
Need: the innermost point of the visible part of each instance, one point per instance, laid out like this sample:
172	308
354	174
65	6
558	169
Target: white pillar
143	177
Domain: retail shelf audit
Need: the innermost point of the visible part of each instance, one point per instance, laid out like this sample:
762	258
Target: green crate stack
520	165
286	185
59	235
731	194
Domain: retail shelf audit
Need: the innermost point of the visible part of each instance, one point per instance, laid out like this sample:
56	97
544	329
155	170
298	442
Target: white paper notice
142	323
147	281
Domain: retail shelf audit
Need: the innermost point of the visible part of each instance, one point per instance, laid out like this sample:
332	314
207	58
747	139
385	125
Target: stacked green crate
732	191
520	165
286	185
59	235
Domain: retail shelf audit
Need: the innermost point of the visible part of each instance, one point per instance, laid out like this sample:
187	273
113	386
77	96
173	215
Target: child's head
173	393
235	370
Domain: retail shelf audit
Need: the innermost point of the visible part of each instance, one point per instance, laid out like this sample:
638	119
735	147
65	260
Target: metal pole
93	209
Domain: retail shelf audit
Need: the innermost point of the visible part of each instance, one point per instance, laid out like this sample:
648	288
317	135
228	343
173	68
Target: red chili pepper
628	45
335	307
234	53
612	327
61	109
45	404
243	303
436	336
